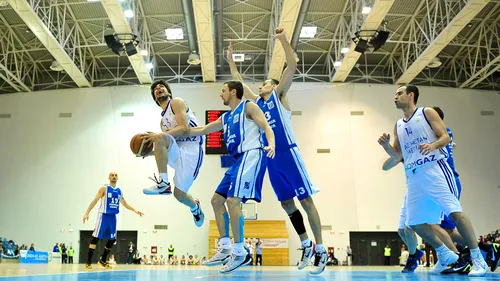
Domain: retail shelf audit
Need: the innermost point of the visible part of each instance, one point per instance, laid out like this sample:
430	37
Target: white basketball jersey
240	133
168	122
411	134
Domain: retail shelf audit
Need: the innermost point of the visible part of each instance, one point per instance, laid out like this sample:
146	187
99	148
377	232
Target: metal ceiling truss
288	16
51	26
443	21
371	22
121	25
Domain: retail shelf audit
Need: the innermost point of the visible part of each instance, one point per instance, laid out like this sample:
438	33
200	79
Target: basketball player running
243	127
287	171
111	196
172	148
422	135
445	231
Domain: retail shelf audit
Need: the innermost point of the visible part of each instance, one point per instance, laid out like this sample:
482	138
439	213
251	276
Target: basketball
139	147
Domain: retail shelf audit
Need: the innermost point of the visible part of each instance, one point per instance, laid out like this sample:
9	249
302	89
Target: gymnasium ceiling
33	33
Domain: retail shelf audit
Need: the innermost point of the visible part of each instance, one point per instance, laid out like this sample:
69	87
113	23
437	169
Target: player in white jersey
419	141
172	148
287	171
111	197
243	127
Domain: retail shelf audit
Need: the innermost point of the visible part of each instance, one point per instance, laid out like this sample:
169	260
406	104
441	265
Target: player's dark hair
412	89
274	81
439	111
235	85
156	83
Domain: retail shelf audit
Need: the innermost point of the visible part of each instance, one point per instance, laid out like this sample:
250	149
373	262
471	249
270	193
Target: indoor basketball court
84	85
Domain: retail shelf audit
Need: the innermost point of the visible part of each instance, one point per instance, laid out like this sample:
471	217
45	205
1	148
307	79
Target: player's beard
163	98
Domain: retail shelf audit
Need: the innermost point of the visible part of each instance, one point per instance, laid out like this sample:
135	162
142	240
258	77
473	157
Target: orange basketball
139	147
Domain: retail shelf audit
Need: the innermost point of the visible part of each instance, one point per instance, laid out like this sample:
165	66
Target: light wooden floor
77	272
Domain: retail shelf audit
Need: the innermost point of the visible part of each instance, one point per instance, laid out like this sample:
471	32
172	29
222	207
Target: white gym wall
52	166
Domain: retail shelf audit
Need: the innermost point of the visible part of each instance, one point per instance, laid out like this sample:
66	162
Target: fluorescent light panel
308	31
174	33
238	57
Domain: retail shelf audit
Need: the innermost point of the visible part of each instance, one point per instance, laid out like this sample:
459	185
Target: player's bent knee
217	201
233	202
93	242
163	141
178	194
307	203
289	206
110	243
456	216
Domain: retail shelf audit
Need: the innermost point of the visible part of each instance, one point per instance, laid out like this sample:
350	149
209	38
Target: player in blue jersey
243	133
419	139
111	197
287	171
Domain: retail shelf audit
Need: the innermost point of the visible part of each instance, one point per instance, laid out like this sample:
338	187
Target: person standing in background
387	255
71	253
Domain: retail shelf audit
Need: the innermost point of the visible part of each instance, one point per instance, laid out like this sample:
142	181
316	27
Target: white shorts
186	160
432	192
402	214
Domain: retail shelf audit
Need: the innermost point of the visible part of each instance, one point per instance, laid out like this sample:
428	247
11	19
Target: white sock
194	208
320	248
225	243
306	243
164	177
443	251
239	250
476	254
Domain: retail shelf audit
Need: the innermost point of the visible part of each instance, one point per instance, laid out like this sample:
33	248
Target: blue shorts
244	178
448	223
288	175
105	227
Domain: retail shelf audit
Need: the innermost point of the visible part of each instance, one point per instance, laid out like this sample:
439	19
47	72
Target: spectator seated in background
112	260
190	260
183	260
203	260
161	260
155	260
196	260
176	260
404	256
10	249
56	248
144	260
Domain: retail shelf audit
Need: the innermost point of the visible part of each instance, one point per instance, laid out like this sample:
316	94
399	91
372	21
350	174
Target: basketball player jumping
287	171
111	196
419	139
172	148
243	127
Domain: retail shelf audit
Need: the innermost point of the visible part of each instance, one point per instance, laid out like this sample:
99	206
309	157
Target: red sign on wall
154	249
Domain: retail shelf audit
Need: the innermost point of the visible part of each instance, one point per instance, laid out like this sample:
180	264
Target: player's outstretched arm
287	76
100	193
235	74
247	92
126	205
258	117
207	129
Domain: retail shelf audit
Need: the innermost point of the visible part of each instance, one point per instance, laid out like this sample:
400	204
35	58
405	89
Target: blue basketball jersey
279	119
110	203
449	148
240	133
